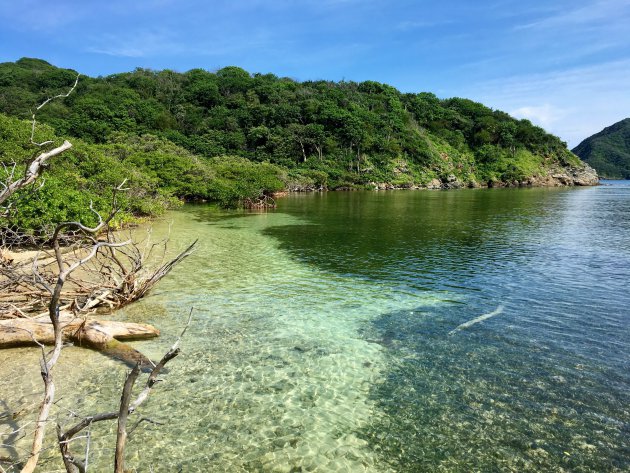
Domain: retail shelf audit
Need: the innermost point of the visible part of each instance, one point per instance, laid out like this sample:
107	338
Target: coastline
558	177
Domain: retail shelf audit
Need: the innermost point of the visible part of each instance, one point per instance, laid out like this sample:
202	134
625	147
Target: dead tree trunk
101	335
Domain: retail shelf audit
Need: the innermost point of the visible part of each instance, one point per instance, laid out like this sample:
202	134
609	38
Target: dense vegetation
608	151
230	135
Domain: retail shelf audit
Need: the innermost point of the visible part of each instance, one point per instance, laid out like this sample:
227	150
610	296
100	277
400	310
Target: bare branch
38	438
53	311
87	447
122	278
172	353
140	421
33	171
42	106
123	414
126	409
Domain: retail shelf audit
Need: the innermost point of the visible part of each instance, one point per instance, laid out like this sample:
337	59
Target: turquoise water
325	338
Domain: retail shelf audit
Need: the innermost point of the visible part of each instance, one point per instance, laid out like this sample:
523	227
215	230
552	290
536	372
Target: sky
564	65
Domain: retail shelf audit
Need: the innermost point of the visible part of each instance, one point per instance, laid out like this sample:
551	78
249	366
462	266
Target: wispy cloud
562	64
31	15
160	43
410	25
572	103
545	115
51	17
604	12
137	44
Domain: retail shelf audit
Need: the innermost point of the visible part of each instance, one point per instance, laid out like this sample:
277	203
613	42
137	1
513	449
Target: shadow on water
483	399
321	339
544	385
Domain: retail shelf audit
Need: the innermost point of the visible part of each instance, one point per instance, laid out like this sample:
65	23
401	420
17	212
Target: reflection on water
321	338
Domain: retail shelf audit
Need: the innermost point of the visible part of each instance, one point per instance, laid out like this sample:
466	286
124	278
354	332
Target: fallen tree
101	335
118	274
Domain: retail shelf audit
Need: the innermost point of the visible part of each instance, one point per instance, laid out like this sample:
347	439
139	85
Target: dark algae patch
514	356
486	400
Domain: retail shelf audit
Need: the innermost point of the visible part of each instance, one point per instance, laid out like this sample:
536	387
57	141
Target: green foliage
173	170
87	173
608	151
236	179
230	135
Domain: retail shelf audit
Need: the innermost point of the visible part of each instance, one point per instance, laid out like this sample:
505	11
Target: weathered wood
123	414
74	465
101	335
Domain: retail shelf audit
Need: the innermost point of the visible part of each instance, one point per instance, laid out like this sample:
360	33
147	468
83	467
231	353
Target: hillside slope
229	136
608	151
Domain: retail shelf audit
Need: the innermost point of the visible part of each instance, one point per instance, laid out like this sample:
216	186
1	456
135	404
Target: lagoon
324	337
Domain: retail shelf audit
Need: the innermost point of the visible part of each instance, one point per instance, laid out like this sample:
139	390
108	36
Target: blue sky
565	65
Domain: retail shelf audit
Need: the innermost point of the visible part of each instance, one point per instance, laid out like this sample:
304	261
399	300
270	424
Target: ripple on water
274	374
324	345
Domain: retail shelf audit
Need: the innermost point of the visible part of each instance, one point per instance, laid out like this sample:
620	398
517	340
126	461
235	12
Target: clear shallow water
321	337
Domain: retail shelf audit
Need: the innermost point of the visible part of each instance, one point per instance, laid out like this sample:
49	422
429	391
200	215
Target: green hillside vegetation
608	151
158	173
229	136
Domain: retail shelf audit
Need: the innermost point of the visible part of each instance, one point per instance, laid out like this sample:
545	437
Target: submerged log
101	335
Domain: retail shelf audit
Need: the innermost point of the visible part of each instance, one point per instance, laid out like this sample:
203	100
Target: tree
87	243
507	136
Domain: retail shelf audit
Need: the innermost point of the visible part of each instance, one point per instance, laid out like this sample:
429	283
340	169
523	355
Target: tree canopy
195	135
608	151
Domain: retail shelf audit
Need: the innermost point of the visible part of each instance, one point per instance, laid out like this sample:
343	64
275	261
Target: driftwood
260	203
110	273
101	335
117	275
10	184
76	465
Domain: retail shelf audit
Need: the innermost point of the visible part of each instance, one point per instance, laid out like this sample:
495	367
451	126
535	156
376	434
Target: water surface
323	337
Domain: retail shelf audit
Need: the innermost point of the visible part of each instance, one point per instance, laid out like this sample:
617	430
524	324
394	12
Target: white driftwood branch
42	105
33	171
126	408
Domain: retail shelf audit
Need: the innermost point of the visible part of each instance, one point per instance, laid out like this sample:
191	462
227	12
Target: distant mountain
608	151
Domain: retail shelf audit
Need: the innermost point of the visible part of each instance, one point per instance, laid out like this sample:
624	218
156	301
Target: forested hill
608	151
273	132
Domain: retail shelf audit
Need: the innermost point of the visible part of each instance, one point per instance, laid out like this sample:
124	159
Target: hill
608	151
227	135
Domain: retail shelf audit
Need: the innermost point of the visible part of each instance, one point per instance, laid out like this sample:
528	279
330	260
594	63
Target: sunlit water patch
275	374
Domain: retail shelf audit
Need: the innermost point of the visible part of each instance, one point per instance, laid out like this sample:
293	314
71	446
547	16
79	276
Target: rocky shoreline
557	177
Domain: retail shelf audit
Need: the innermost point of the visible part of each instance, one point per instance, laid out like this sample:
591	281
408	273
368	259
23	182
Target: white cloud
545	115
137	44
164	42
605	12
572	103
421	24
34	15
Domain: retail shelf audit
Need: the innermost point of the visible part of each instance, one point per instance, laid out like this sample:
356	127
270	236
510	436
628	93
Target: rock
569	176
452	182
434	184
586	176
